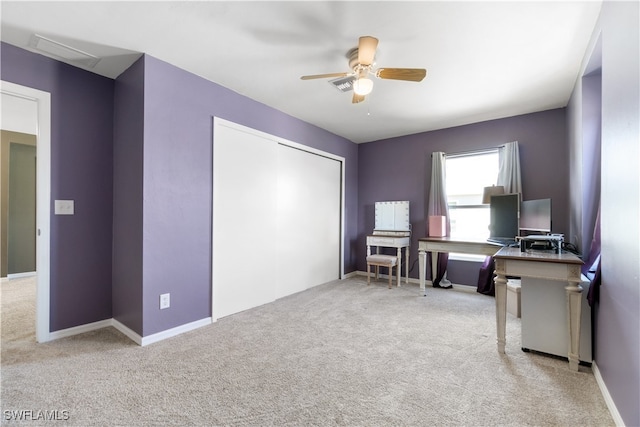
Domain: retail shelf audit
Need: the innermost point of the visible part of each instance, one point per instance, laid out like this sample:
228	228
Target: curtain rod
472	152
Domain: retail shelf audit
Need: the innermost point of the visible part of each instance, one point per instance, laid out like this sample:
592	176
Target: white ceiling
484	60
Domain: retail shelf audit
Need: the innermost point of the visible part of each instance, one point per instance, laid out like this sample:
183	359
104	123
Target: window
466	177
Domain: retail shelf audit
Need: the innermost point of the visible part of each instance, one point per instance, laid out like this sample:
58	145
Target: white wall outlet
64	207
165	301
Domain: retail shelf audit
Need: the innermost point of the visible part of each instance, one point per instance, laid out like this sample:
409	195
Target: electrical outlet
165	301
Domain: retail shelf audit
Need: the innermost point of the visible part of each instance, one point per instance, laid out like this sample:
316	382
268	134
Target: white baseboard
21	275
465	288
456	286
175	331
607	397
386	276
132	335
64	333
142	341
350	275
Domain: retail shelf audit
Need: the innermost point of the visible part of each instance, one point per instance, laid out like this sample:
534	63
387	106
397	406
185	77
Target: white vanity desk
392	230
392	239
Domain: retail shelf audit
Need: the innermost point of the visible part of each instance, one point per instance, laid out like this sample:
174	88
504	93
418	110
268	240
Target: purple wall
617	352
400	169
178	131
128	152
81	169
135	155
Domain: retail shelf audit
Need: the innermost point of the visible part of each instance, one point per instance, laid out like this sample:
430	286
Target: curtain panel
438	206
509	174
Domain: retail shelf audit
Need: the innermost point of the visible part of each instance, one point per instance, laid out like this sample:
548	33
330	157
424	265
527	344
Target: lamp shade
491	191
363	86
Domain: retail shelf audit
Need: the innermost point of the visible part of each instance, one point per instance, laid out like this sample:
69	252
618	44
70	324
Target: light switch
64	207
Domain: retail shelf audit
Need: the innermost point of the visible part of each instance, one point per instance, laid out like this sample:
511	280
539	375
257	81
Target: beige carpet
343	354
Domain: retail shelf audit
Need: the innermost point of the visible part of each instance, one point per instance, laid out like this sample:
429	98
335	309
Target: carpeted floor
343	354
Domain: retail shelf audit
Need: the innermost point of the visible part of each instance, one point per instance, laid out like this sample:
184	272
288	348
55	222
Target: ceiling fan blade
367	50
357	98
409	74
324	76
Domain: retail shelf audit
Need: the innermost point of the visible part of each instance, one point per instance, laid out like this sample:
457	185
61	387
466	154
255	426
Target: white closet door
277	213
244	221
308	223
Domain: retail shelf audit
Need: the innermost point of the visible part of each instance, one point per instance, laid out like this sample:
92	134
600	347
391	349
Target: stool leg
368	274
390	274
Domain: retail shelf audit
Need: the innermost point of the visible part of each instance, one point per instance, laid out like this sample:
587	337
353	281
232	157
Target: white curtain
438	193
509	168
438	206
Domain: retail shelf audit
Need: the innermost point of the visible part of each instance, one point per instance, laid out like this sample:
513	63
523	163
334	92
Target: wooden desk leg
501	304
368	269
574	313
399	266
422	266
406	266
434	267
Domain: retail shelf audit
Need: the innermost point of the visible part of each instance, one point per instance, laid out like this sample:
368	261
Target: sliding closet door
244	221
309	199
277	212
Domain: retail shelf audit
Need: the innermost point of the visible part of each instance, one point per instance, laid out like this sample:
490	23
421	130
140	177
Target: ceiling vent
62	51
343	84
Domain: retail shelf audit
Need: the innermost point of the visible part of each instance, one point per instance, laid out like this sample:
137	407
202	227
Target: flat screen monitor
504	211
535	216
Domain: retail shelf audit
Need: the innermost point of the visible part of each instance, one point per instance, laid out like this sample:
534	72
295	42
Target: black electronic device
535	216
552	242
504	213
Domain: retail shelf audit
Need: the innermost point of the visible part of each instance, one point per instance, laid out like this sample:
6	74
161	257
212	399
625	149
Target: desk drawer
437	247
387	241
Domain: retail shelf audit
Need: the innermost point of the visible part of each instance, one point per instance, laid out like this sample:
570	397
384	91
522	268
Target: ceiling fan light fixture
361	62
363	86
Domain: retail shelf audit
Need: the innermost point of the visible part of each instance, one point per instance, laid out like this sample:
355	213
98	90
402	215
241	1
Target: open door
13	92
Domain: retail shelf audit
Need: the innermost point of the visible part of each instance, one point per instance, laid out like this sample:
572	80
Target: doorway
18	213
19	102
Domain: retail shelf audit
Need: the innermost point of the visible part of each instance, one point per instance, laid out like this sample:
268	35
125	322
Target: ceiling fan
361	60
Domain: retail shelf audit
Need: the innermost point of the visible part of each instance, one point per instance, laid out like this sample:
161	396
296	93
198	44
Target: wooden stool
388	261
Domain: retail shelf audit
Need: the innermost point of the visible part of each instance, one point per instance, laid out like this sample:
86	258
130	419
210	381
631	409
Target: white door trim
43	210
